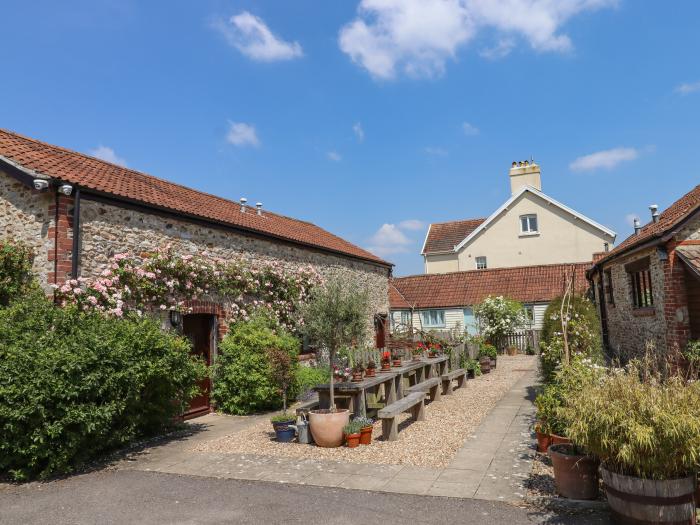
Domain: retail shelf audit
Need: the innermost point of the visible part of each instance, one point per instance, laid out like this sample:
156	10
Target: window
481	263
528	224
640	283
401	319
608	285
530	313
433	318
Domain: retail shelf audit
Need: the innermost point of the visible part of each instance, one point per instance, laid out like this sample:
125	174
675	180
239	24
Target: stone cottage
648	288
76	211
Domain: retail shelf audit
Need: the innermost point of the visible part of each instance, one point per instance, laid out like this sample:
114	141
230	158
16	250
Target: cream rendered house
529	229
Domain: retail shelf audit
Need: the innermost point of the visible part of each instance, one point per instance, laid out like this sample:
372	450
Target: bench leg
435	393
390	429
418	411
447	387
461	380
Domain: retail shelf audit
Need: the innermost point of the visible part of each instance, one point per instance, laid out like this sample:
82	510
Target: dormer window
528	224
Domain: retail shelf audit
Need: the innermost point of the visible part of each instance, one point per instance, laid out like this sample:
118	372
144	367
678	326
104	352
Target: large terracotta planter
575	476
559	440
543	441
327	426
636	500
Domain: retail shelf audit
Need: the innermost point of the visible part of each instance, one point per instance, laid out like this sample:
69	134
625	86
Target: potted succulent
646	431
282	423
386	361
396	359
352	432
366	427
357	372
371	369
335	316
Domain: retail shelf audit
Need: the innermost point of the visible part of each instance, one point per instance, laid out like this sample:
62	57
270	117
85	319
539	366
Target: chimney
243	201
654	212
524	173
258	207
637	226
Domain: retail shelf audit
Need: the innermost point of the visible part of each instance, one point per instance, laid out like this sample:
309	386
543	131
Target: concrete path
119	497
491	465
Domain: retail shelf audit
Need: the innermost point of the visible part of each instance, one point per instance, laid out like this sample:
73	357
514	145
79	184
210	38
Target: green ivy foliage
75	384
16	278
243	382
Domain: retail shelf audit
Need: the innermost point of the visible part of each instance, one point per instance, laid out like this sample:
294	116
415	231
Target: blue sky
374	118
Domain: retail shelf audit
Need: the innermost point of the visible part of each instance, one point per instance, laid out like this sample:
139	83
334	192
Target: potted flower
352	433
473	368
335	316
396	359
646	432
341	374
386	361
371	369
282	423
433	349
357	372
487	357
417	351
366	427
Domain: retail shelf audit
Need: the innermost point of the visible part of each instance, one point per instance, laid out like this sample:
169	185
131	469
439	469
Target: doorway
200	329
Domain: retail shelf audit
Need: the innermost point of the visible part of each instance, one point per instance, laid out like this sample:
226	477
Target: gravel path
429	443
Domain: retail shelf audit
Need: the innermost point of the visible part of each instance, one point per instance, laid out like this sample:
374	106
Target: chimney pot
637	226
243	201
654	212
258	207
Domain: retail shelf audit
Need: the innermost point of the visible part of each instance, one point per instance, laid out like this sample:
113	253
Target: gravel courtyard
430	443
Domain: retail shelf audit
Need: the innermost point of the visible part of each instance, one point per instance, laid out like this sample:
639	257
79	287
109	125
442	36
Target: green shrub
15	271
75	384
308	377
638	427
488	350
499	316
243	382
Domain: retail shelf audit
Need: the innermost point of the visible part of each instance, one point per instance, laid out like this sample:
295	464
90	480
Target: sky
370	118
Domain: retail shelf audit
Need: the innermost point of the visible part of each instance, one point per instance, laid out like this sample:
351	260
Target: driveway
119	497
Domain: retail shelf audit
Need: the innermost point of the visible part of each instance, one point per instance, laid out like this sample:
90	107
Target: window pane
523	224
533	223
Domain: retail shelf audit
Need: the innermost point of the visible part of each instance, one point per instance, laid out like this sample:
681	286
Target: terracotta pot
397	363
356	377
432	355
366	435
634	500
512	351
485	363
417	357
559	440
575	475
543	441
386	367
352	440
370	372
327	427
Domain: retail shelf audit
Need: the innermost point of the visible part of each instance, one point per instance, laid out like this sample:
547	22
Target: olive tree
336	316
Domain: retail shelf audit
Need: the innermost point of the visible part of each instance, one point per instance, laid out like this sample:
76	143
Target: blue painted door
470	325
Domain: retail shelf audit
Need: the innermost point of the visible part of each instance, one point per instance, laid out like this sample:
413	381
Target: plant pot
512	351
485	363
575	475
559	440
283	432
370	372
397	363
432	355
356	377
416	357
543	441
327	426
638	500
352	440
366	435
386	367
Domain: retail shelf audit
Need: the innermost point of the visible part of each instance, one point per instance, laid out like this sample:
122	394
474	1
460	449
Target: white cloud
389	239
241	134
417	37
334	156
607	159
359	131
435	151
502	49
687	88
251	36
411	224
107	154
469	129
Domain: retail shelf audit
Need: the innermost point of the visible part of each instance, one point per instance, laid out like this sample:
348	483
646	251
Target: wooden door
199	329
380	329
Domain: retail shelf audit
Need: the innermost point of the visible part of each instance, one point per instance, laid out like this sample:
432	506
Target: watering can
303	432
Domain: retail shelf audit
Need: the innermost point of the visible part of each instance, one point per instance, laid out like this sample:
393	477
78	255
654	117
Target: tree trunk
331	356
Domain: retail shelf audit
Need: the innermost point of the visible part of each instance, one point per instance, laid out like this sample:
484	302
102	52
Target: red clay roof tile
100	176
443	236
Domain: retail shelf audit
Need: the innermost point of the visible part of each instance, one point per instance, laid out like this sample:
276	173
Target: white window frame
425	320
477	261
529	231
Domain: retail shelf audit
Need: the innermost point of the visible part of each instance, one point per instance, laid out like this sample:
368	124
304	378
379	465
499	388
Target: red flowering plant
386	357
419	349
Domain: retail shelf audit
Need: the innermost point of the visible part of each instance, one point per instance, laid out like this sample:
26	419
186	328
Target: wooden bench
460	375
430	386
306	406
388	414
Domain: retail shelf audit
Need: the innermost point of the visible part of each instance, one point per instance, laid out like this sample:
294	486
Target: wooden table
423	369
357	392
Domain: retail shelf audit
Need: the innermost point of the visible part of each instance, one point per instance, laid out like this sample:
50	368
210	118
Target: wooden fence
521	340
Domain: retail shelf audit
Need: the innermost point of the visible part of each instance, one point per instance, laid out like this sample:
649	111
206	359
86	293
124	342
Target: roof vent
654	212
258	207
243	201
637	226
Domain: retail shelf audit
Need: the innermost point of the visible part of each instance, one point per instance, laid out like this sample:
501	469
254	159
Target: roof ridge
493	270
462	220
